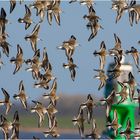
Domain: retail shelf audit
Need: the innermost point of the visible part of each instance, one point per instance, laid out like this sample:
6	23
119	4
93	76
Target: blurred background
71	93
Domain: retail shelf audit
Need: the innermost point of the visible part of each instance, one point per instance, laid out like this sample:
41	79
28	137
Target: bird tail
74	120
28	69
12	60
65	66
96	53
28	61
15	96
46	96
1	103
46	134
103	101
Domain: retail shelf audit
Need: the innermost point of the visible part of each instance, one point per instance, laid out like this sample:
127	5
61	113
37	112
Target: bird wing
36	29
19	51
28	11
49	17
57	17
7	96
12	5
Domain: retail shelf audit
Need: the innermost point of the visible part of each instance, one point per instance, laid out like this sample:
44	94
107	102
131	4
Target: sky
72	23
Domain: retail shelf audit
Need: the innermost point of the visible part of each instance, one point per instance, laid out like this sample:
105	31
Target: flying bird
117	51
5	126
33	37
135	54
21	95
6	101
120	6
127	132
53	131
45	59
79	121
116	71
54	10
18	61
3	20
52	94
132	84
89	104
91	17
27	18
102	55
109	101
114	124
16	125
102	77
51	111
40	110
3	43
123	93
94	133
94	27
69	46
88	3
71	66
134	12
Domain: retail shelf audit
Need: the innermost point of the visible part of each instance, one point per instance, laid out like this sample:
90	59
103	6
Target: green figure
125	109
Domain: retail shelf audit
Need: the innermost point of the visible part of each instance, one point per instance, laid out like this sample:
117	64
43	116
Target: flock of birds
128	88
42	70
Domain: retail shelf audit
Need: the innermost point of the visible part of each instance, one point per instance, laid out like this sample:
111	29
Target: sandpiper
21	95
89	104
71	66
5	126
120	6
53	130
69	46
54	9
116	71
102	55
117	51
40	110
18	60
94	27
45	60
40	7
123	93
127	132
6	101
94	133
135	54
47	76
51	111
3	20
52	94
27	18
79	120
15	128
102	77
109	101
33	37
35	65
114	124
91	17
134	12
132	84
3	43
